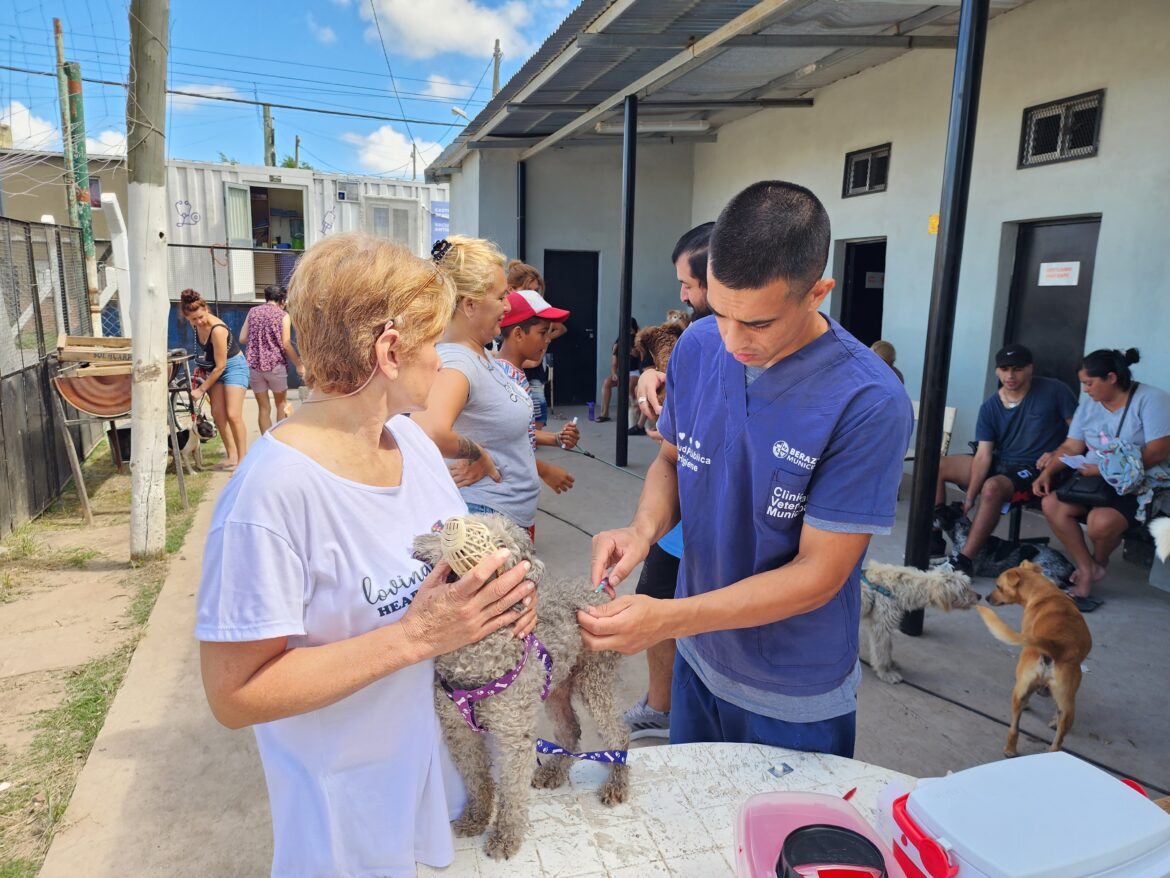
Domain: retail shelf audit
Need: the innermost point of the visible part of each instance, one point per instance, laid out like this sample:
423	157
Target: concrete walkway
167	791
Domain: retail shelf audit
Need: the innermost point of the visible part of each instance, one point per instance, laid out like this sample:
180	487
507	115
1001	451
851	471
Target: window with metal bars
866	171
1061	131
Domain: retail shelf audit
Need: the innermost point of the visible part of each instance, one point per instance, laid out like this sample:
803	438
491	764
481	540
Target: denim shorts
235	372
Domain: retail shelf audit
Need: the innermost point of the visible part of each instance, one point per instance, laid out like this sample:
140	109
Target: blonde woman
317	626
476	415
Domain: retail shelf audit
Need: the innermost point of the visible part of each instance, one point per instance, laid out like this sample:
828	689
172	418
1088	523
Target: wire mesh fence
42	296
42	291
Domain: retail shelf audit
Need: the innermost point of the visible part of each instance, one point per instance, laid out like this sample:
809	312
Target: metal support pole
625	305
81	190
945	285
522	211
66	128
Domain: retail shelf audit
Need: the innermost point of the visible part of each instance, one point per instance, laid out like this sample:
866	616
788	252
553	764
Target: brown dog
1055	640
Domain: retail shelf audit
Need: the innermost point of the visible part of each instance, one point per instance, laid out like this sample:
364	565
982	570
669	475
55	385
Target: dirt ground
72	607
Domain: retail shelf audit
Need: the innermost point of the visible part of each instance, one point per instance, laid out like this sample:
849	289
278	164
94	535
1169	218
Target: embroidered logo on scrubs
690	453
784	451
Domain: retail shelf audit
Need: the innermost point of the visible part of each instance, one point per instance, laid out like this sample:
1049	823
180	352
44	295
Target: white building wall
1045	50
465	197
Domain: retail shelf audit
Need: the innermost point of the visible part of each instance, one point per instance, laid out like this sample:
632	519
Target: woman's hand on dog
445	616
629	624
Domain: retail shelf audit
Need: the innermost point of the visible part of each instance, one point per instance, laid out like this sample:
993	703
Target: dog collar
466	699
880	589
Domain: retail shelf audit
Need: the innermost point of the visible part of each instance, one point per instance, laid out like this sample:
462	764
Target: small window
1061	130
866	171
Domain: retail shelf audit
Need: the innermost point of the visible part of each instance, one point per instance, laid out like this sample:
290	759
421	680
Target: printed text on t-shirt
690	452
407	584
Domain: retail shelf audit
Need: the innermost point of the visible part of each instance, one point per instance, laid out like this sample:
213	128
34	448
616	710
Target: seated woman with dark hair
1117	408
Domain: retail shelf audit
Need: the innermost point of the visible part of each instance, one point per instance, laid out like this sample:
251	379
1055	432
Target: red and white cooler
1049	815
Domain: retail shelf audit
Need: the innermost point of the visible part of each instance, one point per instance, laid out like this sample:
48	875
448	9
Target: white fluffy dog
888	591
1160	529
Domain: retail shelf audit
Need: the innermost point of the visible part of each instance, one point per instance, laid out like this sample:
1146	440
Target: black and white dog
999	555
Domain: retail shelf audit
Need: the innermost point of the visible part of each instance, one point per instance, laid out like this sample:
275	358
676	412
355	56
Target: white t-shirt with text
364	787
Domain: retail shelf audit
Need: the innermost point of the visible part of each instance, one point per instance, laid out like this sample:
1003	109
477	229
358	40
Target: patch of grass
44	777
19	869
22	545
79	558
150	580
9	591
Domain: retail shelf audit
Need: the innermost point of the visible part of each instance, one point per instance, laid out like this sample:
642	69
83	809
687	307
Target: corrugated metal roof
590	75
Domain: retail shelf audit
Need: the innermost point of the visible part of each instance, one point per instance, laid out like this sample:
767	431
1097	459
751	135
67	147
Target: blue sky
320	53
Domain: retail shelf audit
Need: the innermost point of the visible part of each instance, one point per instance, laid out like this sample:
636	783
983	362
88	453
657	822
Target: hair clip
440	250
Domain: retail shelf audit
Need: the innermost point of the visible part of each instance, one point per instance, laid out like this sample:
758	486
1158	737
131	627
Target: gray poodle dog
510	716
888	591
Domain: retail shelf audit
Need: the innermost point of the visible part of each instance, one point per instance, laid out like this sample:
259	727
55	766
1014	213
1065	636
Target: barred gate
42	295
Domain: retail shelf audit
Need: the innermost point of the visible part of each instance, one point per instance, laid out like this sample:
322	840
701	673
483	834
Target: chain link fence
42	296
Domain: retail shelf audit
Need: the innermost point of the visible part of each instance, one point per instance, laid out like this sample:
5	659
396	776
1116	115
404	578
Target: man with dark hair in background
650	717
782	455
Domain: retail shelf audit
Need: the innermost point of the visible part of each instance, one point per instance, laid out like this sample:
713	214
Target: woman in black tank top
217	348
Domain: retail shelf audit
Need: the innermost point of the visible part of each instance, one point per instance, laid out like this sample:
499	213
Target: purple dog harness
466	699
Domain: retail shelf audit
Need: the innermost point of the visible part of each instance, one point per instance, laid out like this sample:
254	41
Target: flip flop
224	467
602	419
1086	605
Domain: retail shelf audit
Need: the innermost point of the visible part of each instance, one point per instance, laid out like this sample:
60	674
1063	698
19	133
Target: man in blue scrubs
784	438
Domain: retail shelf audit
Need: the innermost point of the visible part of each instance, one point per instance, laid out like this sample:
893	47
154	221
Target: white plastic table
680	817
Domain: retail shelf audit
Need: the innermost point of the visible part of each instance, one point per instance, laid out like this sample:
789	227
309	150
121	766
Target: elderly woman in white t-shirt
317	626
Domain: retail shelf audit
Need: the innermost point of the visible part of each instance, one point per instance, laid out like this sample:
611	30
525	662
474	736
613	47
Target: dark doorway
1051	283
571	276
863	289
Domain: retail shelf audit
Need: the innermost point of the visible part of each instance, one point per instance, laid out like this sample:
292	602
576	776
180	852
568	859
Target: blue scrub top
818	439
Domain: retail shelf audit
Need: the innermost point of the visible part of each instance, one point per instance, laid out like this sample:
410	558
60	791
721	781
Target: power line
206	51
386	55
258	103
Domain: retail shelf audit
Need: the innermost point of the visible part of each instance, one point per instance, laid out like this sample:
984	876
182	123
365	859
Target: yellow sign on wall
932	224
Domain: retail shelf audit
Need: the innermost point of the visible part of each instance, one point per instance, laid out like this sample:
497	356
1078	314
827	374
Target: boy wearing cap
526	332
1018	426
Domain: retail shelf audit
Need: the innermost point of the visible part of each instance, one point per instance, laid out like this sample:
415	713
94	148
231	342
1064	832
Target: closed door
570	277
1051	286
863	289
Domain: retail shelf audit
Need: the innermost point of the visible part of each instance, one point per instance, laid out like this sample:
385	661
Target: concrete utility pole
414	161
497	56
297	152
66	128
269	138
81	191
146	110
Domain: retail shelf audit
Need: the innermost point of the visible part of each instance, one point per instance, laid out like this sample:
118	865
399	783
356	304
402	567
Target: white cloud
387	149
323	33
108	143
29	131
462	27
186	103
442	87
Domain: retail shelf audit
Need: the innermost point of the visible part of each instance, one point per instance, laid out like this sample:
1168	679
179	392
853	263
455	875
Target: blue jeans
698	716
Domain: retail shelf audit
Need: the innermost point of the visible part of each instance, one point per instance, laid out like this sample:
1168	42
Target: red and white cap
525	304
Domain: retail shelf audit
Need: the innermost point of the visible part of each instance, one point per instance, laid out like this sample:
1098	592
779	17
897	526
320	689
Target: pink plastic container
766	819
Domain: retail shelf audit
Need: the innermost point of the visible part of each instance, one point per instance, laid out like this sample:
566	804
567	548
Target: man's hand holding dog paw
628	624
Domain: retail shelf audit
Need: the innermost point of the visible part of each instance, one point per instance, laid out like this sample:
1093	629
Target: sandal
224	467
1086	604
